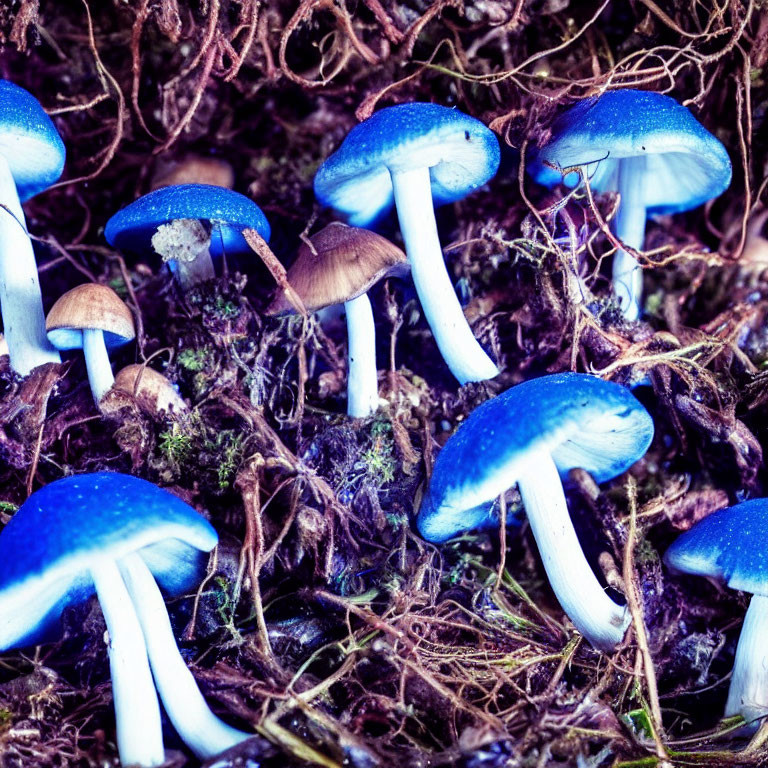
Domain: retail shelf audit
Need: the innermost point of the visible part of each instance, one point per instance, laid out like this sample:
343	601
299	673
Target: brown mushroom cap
346	263
194	169
151	389
89	307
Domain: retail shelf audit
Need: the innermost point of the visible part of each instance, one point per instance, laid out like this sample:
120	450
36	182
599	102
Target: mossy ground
327	626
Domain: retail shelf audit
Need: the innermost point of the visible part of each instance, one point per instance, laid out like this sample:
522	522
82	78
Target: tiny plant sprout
31	159
649	149
93	318
189	226
416	156
339	267
118	537
731	546
152	391
531	435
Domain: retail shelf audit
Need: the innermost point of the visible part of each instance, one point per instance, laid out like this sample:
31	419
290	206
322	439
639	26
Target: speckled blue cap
730	545
46	548
131	229
29	141
462	154
685	165
584	422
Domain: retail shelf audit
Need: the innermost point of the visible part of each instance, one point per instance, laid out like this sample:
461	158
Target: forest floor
327	626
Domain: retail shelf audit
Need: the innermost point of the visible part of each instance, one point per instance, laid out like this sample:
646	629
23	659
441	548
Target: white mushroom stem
186	246
100	375
197	726
575	585
458	346
194	272
20	299
137	712
362	378
748	694
629	225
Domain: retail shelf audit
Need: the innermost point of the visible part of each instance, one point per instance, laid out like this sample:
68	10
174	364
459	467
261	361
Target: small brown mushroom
339	267
93	318
152	391
194	169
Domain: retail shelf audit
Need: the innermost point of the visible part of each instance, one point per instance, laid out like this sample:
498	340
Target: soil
327	626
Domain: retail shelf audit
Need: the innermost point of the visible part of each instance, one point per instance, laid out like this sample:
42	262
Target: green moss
6	718
194	360
117	284
226	449
226	607
379	460
176	446
225	309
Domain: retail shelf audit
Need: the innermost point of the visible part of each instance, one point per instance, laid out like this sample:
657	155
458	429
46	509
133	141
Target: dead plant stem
638	622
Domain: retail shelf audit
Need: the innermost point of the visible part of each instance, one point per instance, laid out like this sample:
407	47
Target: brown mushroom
152	391
194	169
339	267
93	318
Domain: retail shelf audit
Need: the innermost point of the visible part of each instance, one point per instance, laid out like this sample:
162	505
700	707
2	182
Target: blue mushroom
416	156
649	149
189	225
531	435
31	160
118	537
731	546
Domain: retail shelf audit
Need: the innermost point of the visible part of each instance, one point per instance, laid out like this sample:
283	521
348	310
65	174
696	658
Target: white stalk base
199	270
186	246
458	346
197	726
100	375
362	378
137	712
748	694
575	585
20	299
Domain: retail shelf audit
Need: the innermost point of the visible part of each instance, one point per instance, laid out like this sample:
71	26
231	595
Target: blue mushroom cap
47	547
685	165
549	177
584	422
229	213
730	545
29	141
461	153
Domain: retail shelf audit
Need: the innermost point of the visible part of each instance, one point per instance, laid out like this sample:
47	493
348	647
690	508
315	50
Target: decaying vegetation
326	624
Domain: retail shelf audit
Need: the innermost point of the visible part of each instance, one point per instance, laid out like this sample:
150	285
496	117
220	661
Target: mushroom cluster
118	537
128	542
